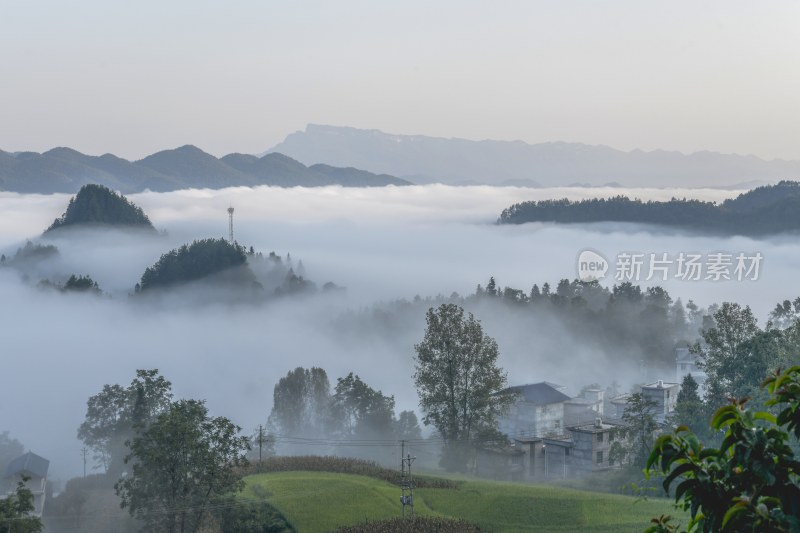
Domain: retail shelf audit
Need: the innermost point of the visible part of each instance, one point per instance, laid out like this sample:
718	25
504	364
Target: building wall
35	484
666	398
556	461
528	419
587	446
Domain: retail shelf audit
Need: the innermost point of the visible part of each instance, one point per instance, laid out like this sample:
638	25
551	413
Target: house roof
622	398
29	463
582	401
540	393
605	425
660	385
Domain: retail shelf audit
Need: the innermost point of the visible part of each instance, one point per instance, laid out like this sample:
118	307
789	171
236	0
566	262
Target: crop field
316	502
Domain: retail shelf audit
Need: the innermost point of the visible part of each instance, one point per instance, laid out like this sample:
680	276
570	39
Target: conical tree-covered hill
198	260
97	205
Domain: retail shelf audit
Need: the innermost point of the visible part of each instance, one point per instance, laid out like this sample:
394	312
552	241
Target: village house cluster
554	435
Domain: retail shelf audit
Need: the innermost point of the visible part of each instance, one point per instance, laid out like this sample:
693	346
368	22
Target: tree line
761	211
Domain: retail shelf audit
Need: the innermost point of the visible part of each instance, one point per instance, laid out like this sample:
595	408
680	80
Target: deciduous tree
182	463
114	414
458	381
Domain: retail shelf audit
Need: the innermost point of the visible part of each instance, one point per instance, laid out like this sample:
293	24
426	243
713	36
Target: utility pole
406	483
83	452
230	224
260	441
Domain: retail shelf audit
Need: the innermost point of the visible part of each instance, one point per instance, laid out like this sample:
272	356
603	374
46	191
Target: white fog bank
382	244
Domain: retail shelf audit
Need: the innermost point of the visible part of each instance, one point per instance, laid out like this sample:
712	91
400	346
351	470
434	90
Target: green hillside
96	205
322	501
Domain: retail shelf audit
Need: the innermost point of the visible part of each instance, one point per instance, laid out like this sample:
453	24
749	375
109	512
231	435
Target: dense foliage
81	283
29	254
191	262
95	204
458	381
115	414
307	413
737	354
184	463
237	516
16	509
765	210
633	440
751	482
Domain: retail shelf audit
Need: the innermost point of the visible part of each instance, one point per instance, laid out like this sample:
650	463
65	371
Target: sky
132	78
380	243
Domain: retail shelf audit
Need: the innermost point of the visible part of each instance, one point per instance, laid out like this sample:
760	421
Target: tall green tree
361	411
115	414
458	381
183	463
301	403
634	439
722	355
407	426
689	408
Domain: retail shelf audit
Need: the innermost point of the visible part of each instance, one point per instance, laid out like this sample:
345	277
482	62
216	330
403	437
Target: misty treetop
192	262
99	205
761	211
307	412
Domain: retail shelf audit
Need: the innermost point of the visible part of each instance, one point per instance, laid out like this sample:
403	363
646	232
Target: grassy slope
320	501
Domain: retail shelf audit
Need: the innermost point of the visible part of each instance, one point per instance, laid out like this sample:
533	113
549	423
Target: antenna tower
230	224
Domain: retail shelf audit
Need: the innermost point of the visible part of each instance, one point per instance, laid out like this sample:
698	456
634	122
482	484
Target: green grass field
317	502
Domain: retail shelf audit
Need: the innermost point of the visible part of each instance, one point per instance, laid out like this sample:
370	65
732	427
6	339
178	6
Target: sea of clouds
380	243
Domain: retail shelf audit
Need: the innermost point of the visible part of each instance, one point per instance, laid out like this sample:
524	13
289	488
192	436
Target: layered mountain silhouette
64	170
459	162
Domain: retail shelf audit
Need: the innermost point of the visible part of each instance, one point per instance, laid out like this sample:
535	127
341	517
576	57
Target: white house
686	363
33	467
537	412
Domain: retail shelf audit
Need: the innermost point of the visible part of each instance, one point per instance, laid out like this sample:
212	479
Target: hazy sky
136	77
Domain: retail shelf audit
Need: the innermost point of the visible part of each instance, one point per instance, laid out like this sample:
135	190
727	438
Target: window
566	452
558	424
599	457
600	437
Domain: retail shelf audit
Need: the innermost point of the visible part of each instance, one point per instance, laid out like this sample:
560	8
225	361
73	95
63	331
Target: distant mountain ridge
64	170
425	159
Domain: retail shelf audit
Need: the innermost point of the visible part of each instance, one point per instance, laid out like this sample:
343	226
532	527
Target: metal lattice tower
230	224
406	483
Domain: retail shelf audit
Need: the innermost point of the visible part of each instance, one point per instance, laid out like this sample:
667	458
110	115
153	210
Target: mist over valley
383	246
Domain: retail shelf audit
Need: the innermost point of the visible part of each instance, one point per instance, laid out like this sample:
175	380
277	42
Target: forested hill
765	210
97	205
195	261
63	170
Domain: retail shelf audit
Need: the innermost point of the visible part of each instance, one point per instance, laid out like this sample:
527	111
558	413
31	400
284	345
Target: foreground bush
343	465
749	483
251	517
421	524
